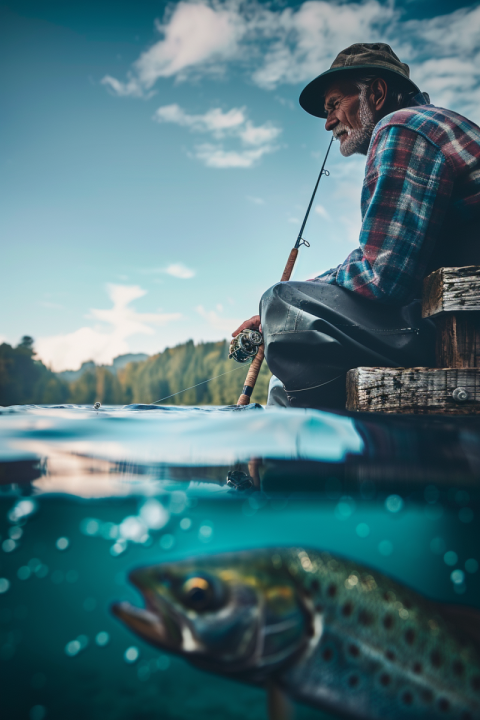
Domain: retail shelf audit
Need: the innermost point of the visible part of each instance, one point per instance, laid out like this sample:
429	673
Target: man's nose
331	122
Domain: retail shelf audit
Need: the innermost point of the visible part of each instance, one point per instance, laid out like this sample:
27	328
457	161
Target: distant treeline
25	380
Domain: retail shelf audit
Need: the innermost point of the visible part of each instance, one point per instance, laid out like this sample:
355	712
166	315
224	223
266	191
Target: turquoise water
87	496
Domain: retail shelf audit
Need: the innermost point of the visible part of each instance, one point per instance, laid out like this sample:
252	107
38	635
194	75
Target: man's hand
252	324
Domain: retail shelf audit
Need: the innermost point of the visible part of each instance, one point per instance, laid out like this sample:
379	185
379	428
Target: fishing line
194	386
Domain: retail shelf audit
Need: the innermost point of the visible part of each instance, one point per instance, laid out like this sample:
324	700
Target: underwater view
231	563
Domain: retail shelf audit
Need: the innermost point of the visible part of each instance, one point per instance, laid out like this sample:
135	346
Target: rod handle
251	378
287	273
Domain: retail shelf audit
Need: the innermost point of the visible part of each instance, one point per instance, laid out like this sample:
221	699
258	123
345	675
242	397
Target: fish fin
465	619
279	706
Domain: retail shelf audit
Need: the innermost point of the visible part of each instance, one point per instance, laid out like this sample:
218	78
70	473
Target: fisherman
420	211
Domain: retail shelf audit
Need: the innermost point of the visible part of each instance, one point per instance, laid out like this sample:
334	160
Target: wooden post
451	296
418	391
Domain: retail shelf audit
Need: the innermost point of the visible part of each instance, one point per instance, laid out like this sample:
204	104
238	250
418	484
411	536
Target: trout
327	631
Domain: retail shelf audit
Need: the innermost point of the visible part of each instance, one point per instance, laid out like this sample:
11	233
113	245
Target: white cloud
216	321
256	200
306	39
216	157
323	212
101	344
292	45
194	35
257	140
130	88
179	270
215	121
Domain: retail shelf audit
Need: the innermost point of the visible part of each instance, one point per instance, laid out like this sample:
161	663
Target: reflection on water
88	496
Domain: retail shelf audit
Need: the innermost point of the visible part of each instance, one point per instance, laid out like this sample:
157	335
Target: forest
25	380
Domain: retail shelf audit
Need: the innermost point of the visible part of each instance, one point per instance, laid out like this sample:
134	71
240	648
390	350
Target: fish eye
198	593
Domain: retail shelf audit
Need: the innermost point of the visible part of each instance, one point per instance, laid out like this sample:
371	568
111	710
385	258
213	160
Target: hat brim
312	96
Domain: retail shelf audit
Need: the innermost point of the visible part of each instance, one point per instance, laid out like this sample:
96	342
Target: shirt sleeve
407	188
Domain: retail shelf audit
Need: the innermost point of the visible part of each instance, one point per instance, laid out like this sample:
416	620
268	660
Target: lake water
86	496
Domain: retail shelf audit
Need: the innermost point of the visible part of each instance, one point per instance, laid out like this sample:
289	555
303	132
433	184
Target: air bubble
62	543
363	530
37	712
4	585
394	503
154	514
465	515
72	648
457	577
89	526
167	542
471	565
450	558
102	639
345	508
9	545
131	654
22	509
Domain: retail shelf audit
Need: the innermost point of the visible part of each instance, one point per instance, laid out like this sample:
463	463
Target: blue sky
156	164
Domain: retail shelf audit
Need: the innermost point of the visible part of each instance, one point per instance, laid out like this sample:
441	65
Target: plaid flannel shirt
422	164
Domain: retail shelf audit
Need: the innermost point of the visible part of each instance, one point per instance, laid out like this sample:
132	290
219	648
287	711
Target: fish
324	630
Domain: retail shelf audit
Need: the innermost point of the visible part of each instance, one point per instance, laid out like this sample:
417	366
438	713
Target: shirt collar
421	98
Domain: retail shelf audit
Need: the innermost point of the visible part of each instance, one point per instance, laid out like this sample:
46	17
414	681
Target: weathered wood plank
458	340
451	289
414	390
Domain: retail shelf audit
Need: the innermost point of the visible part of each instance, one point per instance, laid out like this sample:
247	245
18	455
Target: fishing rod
249	343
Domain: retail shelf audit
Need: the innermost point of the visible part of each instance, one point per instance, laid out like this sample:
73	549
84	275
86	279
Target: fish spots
315	586
385	679
410	636
417	668
443	705
427	695
466	715
332	590
365	618
475	683
353	650
353	681
327	654
388	622
390	655
319	608
436	658
389	596
407	698
347	609
458	668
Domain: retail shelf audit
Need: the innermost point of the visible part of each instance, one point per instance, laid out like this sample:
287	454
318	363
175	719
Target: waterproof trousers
315	332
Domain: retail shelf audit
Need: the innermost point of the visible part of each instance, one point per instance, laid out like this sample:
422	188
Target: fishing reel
245	346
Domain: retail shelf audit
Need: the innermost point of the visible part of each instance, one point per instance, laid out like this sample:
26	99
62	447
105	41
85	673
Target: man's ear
378	94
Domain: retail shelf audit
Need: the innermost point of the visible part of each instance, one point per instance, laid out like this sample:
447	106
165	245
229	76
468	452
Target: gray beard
359	138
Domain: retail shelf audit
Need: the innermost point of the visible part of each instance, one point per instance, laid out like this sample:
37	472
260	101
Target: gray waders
314	332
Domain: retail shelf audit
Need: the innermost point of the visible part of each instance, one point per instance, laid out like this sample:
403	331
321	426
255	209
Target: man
420	211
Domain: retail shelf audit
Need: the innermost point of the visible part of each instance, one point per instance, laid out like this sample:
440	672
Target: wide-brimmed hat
356	60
